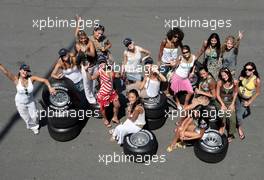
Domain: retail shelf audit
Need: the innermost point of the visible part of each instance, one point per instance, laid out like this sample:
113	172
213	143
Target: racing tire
212	147
141	146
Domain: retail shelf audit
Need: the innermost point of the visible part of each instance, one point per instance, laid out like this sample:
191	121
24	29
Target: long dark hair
218	44
175	31
243	72
138	101
228	72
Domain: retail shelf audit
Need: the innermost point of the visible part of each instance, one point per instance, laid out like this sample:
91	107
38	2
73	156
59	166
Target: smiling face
98	34
203	74
224	76
83	39
249	70
132	98
213	42
131	46
229	44
186	53
23	73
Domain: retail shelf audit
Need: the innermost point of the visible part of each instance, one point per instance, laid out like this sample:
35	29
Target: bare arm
91	49
78	18
55	73
133	117
211	94
162	45
8	74
144	51
45	81
124	63
252	99
218	86
201	51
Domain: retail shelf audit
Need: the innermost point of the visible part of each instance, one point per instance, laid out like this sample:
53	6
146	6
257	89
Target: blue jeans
241	111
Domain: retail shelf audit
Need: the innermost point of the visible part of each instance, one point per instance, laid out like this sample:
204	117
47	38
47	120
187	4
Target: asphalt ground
25	156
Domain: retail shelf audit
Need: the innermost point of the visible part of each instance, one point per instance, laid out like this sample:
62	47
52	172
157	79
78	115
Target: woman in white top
135	118
180	80
150	86
67	67
131	63
24	99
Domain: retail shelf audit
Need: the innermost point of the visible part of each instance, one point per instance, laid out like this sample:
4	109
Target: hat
63	52
25	67
127	41
148	60
101	59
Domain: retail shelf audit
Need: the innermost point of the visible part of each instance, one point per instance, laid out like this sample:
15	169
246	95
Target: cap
25	67
148	60
127	41
63	52
101	59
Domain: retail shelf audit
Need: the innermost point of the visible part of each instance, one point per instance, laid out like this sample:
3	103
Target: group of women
88	67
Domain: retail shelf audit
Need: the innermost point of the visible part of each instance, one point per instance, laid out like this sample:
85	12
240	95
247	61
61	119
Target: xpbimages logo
50	22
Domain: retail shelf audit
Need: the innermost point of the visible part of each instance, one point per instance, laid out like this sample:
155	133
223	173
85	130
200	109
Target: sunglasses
249	69
185	52
26	91
176	36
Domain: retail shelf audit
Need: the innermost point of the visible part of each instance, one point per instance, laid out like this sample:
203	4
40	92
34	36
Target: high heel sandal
115	120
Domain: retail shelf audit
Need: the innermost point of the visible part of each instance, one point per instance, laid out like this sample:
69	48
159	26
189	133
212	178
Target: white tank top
141	119
133	60
152	87
184	68
73	74
169	54
24	95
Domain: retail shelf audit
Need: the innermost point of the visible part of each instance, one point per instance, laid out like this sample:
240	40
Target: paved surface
25	156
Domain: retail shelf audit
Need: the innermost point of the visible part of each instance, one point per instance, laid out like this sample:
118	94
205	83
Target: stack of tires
140	147
62	116
156	110
212	148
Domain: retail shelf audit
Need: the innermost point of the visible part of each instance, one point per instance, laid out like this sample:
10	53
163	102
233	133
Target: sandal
107	123
241	134
171	147
115	120
111	131
112	139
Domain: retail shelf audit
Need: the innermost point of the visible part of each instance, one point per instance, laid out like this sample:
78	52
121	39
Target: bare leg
187	98
116	109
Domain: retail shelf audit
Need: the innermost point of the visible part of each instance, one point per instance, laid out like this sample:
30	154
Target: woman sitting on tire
150	86
190	129
24	99
226	93
180	80
135	118
248	91
131	62
106	93
67	67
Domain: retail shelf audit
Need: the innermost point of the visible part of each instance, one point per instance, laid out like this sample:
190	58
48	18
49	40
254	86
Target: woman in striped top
106	93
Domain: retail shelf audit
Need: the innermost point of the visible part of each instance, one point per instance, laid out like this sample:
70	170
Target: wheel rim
139	139
212	140
61	98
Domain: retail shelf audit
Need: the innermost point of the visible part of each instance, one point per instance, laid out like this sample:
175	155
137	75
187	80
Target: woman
211	50
230	52
226	93
67	66
168	52
102	43
106	93
190	129
135	118
180	80
205	92
150	86
83	44
24	99
248	91
131	62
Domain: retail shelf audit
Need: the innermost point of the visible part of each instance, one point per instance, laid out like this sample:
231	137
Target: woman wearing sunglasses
248	90
24	99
